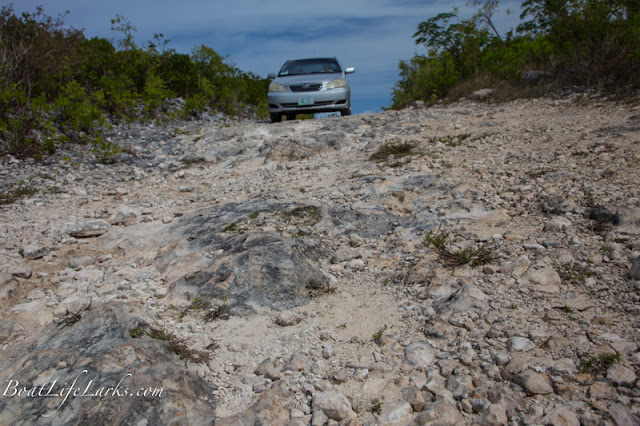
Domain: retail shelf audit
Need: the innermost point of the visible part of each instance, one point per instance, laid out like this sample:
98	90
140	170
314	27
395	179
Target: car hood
307	78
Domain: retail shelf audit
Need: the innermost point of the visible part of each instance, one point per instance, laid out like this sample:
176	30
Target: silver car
307	86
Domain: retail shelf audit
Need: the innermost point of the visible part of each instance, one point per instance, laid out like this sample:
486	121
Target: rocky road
465	264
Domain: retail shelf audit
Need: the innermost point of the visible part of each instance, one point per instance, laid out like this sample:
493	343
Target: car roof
313	59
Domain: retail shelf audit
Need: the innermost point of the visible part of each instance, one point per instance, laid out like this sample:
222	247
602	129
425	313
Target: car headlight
275	87
335	84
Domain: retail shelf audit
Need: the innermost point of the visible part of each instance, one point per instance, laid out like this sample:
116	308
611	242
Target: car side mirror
350	70
271	76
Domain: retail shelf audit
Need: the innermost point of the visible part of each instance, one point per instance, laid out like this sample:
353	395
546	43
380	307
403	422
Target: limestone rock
557	223
517	267
635	269
33	314
288	318
621	375
126	217
420	354
561	416
622	416
545	276
9	330
466	298
8	285
299	362
534	383
319	418
81	262
520	344
602	390
334	405
546	279
88	229
495	414
74	303
269	409
21	270
628	219
110	357
396	413
265	365
460	386
255	269
441	412
34	251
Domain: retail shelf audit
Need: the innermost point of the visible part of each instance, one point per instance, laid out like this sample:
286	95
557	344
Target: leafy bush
76	110
106	151
155	92
594	42
57	86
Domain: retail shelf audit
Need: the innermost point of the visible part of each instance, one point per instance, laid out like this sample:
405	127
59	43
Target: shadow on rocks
97	369
252	269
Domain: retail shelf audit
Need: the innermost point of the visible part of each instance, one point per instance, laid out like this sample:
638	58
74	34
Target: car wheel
276	118
345	112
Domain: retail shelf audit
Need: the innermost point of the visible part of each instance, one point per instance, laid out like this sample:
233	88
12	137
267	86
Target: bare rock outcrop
94	371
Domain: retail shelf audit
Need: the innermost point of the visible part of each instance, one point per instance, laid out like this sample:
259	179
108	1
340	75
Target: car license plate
307	100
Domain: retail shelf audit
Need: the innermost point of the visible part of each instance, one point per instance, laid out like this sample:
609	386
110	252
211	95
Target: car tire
276	118
345	112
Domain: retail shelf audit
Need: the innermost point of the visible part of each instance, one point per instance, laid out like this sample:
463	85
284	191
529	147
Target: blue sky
259	35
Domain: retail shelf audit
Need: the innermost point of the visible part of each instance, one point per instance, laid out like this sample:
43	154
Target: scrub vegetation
590	43
57	86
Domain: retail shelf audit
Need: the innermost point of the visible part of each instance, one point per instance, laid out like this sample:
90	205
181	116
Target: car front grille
307	87
292	105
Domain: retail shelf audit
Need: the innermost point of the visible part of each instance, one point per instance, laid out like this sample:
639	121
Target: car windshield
309	66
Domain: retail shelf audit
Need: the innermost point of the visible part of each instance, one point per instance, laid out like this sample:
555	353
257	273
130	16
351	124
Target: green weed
393	151
316	286
598	364
473	256
136	332
308	215
16	194
451	140
376	407
377	336
197	303
573	272
220	312
71	318
567	309
232	227
174	345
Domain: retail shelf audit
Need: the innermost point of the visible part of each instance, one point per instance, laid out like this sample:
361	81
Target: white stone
34	251
396	412
520	344
335	405
420	354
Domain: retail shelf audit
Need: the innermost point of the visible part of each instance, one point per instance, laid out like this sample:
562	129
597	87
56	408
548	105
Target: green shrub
106	151
24	123
50	71
76	109
155	92
593	42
